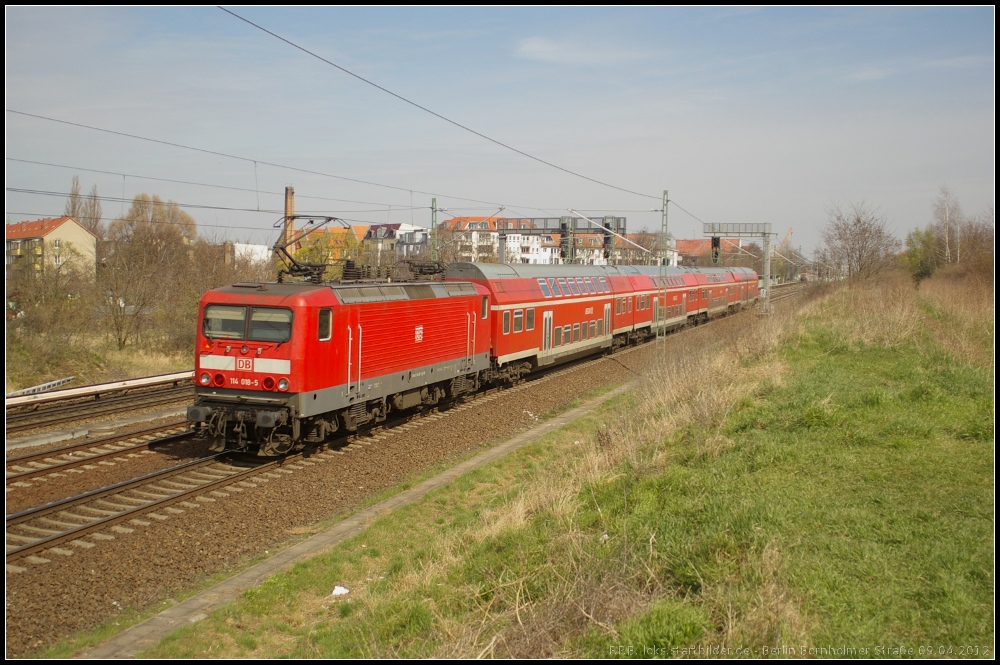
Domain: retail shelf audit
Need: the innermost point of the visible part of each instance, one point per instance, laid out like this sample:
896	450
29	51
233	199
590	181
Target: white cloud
870	74
568	52
961	62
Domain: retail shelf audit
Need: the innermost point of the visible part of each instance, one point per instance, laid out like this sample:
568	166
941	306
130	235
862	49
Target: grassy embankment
824	479
31	362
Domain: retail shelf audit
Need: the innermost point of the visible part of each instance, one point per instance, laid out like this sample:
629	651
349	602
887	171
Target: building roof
462	223
39	228
703	246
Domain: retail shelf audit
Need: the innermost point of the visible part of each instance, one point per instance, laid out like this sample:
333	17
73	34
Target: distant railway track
66	406
787	290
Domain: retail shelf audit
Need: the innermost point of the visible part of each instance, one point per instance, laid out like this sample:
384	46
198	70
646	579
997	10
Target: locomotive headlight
204	379
282	384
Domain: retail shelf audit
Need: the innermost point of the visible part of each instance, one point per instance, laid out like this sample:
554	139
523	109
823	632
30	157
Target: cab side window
325	324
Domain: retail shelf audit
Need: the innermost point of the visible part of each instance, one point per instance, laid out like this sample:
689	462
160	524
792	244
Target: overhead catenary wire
137	176
269	228
51	215
196	206
251	160
284	166
435	114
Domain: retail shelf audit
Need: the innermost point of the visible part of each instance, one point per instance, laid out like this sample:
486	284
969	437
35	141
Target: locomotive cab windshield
266	324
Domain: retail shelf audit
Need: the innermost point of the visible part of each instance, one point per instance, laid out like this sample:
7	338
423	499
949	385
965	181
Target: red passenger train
279	365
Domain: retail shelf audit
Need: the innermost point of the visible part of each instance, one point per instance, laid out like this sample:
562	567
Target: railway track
65	406
112	508
58	460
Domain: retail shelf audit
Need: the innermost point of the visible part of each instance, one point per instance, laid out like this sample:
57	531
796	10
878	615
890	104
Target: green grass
845	501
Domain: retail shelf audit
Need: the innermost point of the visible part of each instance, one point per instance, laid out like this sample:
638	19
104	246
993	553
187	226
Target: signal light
219	380
204	379
269	383
283	384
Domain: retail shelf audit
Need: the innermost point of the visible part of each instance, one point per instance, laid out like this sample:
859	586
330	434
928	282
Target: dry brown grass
881	312
756	606
964	321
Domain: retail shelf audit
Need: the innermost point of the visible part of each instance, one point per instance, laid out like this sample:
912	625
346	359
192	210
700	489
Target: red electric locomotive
282	364
279	365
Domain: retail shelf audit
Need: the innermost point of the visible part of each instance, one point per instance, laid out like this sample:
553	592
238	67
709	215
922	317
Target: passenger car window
506	323
518	321
529	319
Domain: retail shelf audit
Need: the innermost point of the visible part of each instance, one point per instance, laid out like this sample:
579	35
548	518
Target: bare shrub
858	240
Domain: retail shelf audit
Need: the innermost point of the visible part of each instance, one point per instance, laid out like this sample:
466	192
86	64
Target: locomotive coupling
198	414
271	418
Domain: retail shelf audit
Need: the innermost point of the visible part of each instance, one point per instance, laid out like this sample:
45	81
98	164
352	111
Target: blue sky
767	115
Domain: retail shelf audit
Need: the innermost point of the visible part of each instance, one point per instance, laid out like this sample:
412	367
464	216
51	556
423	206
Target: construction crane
783	246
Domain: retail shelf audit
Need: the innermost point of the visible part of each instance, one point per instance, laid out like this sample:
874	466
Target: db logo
244	364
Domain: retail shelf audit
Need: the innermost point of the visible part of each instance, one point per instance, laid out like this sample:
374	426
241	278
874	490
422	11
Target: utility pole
289	213
434	225
659	311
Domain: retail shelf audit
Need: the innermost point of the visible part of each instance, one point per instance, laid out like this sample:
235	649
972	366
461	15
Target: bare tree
74	203
86	210
145	267
948	214
151	210
90	214
858	241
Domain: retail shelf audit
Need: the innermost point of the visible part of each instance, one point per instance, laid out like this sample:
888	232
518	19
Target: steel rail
55	465
148	505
